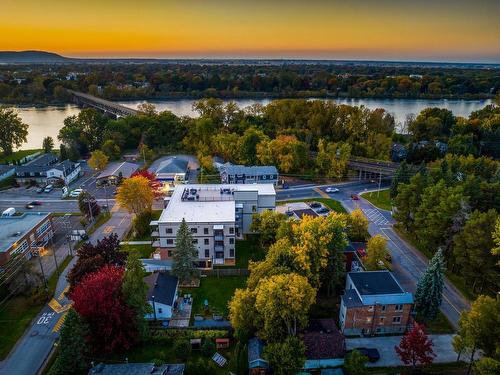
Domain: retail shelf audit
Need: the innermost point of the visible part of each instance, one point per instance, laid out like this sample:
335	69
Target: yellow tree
496	238
283	302
98	160
377	253
242	312
135	195
357	225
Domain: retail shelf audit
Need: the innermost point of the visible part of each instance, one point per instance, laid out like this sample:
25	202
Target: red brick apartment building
374	303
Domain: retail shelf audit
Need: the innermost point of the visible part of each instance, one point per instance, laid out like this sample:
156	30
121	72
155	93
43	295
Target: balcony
219	248
155	243
219	237
155	234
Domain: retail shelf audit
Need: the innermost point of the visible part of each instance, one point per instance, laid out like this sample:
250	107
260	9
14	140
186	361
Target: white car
75	193
331	190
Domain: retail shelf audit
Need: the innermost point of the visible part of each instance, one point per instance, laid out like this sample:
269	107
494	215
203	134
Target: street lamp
154	307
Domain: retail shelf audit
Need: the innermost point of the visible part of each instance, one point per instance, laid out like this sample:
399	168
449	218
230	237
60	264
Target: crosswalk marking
59	323
115	208
108	229
62	295
322	193
375	216
57	307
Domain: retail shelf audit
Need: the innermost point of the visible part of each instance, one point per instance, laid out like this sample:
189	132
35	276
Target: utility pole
43	273
379	182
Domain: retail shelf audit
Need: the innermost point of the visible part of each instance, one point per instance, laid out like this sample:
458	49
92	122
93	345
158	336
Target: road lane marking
59	323
322	193
45	318
108	229
62	295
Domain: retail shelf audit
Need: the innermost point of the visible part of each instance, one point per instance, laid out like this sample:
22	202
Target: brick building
374	303
24	234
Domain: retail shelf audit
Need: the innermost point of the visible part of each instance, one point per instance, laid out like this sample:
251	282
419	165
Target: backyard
381	200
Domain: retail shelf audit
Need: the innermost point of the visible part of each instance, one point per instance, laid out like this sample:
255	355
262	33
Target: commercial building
116	171
172	169
24	234
216	214
374	303
240	174
46	169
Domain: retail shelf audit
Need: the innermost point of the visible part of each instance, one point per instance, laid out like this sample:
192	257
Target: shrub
141	224
182	349
208	348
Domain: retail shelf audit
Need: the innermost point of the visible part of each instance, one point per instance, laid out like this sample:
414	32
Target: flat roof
375	283
211	203
13	228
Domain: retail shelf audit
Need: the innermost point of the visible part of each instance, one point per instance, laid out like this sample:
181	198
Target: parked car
315	205
40	190
331	190
323	210
361	252
371	353
48	188
354	197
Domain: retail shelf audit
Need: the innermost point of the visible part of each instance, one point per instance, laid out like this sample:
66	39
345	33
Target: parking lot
300	209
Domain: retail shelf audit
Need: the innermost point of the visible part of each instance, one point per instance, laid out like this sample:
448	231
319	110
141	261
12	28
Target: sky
418	30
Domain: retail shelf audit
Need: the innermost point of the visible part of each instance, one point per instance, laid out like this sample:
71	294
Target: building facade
240	174
374	303
24	235
6	171
217	215
46	169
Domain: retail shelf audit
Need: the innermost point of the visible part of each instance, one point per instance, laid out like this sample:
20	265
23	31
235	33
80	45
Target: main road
408	264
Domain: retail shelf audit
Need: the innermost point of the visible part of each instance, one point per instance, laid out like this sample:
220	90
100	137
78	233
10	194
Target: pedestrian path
375	216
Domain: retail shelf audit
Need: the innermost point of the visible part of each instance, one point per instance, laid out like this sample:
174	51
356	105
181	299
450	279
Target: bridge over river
107	107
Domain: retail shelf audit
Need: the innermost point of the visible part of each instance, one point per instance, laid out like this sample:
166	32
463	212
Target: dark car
354	197
35	203
371	353
314	205
29	206
40	190
323	210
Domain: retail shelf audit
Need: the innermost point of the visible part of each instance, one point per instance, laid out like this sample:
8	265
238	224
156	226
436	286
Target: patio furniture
219	359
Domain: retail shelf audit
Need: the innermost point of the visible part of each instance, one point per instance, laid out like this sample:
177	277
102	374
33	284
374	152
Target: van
48	188
9	212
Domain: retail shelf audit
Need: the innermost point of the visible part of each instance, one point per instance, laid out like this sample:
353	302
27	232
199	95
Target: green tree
88	205
63	152
472	249
376	253
249	141
47	144
287	357
85	131
135	290
487	366
185	256
496	238
402	176
354	363
408	200
266	224
429	294
13	132
73	351
111	149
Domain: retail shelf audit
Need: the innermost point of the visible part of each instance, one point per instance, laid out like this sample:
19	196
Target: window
231	241
170	241
195	241
160	310
396	320
206	241
170	253
205	230
383	307
194	230
207	253
370	308
231	230
254	208
382	320
231	253
168	230
398	308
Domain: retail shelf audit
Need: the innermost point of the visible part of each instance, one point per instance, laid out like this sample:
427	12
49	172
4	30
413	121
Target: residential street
33	348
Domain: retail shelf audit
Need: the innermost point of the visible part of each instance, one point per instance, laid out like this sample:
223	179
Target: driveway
443	349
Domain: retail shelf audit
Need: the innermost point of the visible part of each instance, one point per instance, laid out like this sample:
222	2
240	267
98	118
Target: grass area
246	250
436	368
457	280
218	292
382	200
7	183
440	325
131	236
330	203
17	313
17	155
101	219
144	250
60	214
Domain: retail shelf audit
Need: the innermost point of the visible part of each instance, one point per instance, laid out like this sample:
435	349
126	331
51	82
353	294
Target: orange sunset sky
381	30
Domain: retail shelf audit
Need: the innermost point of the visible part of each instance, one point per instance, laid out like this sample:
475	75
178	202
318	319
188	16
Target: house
256	364
240	174
173	169
6	171
24	235
46	169
325	345
216	215
162	294
137	369
374	303
116	171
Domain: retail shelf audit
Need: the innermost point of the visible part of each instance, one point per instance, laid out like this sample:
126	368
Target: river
47	121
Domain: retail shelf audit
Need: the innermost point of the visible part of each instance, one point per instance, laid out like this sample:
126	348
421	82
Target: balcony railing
155	243
219	248
219	237
155	234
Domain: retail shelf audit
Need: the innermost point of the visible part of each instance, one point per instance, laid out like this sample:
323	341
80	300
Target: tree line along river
47	121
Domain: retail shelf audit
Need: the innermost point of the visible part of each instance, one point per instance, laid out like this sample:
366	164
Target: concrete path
442	348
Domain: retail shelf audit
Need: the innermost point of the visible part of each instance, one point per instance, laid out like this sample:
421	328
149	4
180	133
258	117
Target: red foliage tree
99	301
153	182
415	347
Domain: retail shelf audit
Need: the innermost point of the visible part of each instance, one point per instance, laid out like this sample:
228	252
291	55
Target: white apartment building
216	214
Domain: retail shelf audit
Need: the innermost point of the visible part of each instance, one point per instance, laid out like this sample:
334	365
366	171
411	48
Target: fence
225	272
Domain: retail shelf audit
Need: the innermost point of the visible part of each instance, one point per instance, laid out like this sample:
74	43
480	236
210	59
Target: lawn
246	250
218	292
144	250
155	215
440	325
18	155
382	200
17	314
330	203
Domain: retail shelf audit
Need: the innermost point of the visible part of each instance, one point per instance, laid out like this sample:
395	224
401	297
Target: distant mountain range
31	57
43	57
